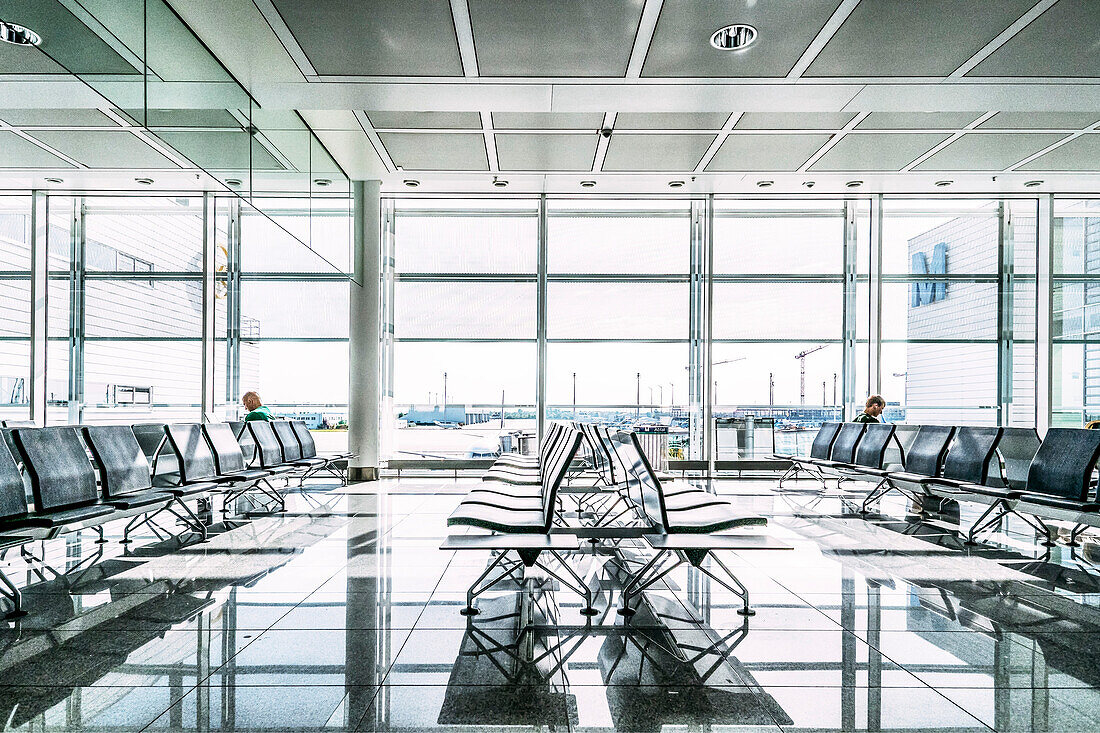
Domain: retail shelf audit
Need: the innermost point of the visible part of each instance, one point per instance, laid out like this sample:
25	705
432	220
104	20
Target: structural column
365	335
1044	353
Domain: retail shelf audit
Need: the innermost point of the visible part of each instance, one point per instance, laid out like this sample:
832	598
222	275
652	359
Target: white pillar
365	334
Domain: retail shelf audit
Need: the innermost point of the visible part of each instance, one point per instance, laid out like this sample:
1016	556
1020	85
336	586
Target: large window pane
15	218
755	244
294	309
912	229
128	381
143	308
296	235
617	374
457	309
128	234
466	242
618	237
777	310
617	310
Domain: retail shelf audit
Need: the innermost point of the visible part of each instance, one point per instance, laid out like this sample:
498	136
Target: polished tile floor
342	614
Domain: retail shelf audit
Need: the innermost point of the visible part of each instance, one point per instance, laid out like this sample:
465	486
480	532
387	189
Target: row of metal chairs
1009	469
61	466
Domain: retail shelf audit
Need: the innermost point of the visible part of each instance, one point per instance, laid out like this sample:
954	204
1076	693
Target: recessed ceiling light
18	35
144	181
734	37
233	182
499	182
942	184
808	184
853	184
322	181
1032	184
588	184
765	184
52	179
411	182
675	184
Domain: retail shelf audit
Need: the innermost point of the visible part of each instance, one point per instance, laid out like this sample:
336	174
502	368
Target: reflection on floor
342	614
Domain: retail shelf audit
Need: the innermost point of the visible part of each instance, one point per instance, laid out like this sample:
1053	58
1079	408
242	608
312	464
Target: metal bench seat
59	518
498	519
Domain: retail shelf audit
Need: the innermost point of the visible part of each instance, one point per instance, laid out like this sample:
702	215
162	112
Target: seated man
871	411
256	409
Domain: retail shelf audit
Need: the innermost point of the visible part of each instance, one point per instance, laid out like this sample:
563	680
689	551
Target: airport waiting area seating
81	478
1009	469
678	524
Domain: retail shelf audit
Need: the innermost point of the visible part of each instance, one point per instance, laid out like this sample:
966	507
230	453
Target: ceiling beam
832	141
651	11
286	38
940	146
375	141
490	141
1002	38
460	11
822	38
1052	146
717	142
603	142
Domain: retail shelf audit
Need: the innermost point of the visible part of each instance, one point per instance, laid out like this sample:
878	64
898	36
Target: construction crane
802	358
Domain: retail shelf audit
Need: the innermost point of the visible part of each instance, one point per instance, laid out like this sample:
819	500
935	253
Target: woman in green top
871	411
256	409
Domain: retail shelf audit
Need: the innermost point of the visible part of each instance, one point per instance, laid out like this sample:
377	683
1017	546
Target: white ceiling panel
1059	43
877	152
1080	154
905	38
425	120
436	151
1041	120
217	118
375	37
681	43
15	152
554	37
917	120
777	153
794	120
670	120
535	152
106	149
680	153
988	151
547	120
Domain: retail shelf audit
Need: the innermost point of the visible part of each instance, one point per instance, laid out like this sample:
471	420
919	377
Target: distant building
956	383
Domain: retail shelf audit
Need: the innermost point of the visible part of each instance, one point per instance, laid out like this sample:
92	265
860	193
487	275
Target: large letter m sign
929	291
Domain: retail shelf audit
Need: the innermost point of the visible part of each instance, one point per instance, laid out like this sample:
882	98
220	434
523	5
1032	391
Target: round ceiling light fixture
499	182
234	182
853	184
809	184
411	182
18	35
588	184
322	181
675	184
736	37
53	179
943	184
1032	184
144	181
765	184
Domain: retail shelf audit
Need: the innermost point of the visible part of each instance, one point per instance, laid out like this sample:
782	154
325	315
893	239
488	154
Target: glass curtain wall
461	283
125	308
782	313
1075	312
15	298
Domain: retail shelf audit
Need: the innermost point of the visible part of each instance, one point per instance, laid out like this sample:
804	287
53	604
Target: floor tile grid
256	638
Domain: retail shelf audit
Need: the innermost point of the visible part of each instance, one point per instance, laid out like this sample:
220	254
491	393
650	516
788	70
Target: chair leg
1077	532
989	517
882	489
9	591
